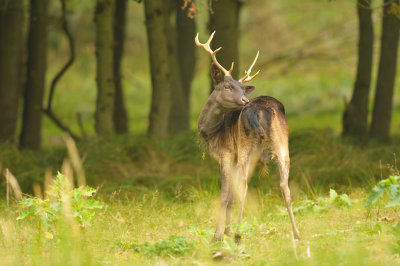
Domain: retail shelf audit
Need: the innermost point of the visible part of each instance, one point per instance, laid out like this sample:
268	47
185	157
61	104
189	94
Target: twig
13	182
76	160
48	111
60	124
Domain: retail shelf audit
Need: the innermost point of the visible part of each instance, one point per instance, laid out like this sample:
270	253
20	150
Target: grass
178	232
161	201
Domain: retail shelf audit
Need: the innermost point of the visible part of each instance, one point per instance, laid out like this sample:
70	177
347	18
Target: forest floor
152	228
161	201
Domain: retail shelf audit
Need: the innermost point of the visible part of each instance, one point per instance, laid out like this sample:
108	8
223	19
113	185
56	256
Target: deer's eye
228	87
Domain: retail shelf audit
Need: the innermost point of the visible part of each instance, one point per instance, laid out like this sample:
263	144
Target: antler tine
207	47
247	77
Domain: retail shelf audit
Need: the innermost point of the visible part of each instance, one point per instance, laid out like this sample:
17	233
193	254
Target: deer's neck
211	118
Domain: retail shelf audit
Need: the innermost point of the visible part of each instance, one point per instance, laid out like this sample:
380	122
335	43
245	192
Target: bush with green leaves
387	187
47	211
342	200
318	205
390	184
44	211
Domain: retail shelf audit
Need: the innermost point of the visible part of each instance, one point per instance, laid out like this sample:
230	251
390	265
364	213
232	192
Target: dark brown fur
255	117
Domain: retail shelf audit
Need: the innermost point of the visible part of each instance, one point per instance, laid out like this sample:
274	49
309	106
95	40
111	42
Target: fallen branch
12	182
48	110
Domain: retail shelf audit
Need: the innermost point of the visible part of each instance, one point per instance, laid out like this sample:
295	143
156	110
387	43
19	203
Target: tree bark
225	21
159	66
178	107
11	32
35	80
356	113
185	29
382	112
120	114
104	54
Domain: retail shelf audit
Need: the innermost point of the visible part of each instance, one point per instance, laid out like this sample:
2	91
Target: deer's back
250	126
259	114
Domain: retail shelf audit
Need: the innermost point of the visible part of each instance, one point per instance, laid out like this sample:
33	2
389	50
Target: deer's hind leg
284	165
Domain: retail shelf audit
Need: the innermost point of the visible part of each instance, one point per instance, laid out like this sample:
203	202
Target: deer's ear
216	74
248	89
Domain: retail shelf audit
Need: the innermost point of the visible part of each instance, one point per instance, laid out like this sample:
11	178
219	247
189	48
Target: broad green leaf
375	194
395	192
332	194
345	200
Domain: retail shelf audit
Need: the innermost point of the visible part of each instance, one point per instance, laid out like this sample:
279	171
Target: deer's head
229	93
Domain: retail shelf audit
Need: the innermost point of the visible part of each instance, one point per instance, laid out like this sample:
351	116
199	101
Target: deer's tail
258	120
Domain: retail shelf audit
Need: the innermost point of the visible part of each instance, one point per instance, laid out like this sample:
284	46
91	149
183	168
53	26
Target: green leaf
376	193
345	200
25	214
332	194
88	191
395	192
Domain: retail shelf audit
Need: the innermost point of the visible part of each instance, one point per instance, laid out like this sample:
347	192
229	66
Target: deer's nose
245	100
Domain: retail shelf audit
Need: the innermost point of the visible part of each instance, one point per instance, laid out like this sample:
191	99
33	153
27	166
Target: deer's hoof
217	238
297	235
238	239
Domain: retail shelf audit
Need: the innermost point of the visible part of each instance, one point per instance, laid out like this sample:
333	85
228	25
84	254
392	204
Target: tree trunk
11	32
120	115
104	54
35	80
225	21
185	61
159	66
356	112
178	107
382	112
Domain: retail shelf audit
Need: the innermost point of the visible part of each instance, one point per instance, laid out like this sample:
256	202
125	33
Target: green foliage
244	228
43	210
389	184
84	208
228	248
339	200
172	246
392	185
47	212
394	9
396	233
319	205
203	234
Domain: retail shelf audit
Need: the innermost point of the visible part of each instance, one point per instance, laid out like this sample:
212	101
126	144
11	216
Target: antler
247	77
206	46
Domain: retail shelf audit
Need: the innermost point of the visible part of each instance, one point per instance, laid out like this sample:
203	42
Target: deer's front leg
241	194
229	212
226	184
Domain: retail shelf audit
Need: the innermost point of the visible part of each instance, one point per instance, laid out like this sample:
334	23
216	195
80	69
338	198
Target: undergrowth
319	160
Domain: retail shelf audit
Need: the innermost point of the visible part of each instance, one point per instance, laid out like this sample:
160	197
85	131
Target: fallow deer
240	133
